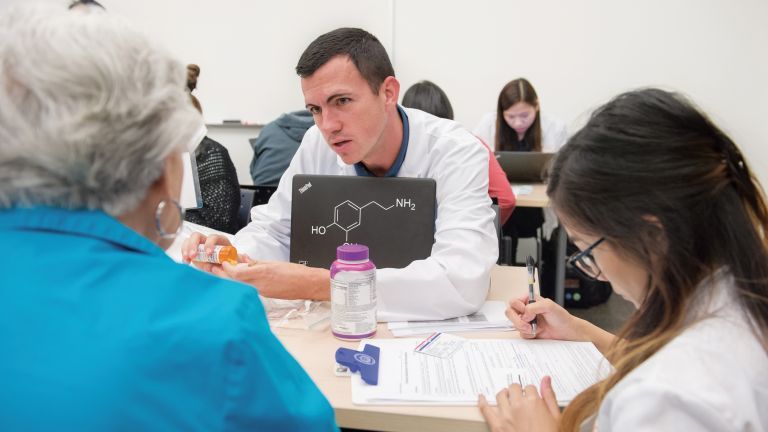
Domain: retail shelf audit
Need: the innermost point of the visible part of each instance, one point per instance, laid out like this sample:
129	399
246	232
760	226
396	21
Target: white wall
576	53
247	50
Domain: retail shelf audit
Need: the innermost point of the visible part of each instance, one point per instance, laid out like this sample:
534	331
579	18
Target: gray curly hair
89	111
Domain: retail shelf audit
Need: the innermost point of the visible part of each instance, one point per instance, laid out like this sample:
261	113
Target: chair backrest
497	216
503	258
246	203
251	196
262	194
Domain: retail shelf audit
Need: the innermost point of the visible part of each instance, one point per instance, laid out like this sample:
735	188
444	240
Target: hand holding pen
531	267
545	318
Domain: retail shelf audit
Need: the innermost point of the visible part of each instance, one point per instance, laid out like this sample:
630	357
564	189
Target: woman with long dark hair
663	206
518	124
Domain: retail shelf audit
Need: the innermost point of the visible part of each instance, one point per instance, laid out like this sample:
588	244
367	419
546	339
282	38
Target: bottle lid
352	252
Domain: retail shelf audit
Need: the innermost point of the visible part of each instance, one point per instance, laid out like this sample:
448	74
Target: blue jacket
101	330
275	146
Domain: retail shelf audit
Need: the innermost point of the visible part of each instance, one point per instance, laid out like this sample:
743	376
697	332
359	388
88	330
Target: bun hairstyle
193	71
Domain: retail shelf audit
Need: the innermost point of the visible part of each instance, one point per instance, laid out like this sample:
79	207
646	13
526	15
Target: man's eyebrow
336	96
329	99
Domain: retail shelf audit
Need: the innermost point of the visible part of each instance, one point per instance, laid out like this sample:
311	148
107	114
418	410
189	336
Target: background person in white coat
350	88
518	123
686	243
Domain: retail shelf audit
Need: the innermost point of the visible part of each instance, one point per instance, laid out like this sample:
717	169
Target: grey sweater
275	146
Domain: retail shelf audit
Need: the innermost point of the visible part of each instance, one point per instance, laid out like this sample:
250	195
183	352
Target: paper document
481	366
520	190
441	345
490	317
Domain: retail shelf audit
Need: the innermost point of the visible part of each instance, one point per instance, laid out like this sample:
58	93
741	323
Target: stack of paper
520	190
490	317
480	366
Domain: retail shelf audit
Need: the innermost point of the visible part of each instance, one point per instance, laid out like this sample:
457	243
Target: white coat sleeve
454	280
644	406
486	130
554	135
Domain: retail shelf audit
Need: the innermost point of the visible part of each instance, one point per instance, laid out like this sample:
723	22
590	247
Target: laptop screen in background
524	167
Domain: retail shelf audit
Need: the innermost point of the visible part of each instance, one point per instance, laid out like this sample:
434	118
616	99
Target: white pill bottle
353	293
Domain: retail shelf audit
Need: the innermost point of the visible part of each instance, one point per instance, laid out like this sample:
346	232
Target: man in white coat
350	88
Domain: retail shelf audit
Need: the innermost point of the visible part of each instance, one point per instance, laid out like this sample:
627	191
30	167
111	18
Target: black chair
525	222
246	203
251	196
262	194
503	253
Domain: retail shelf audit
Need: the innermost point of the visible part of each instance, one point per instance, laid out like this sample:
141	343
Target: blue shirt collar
86	223
362	170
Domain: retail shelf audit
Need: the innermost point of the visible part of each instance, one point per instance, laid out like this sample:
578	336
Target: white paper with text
481	366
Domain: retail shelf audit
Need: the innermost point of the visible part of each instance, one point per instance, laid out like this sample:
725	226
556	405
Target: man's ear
390	88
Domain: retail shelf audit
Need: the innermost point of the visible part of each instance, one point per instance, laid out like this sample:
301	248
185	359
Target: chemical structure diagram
348	215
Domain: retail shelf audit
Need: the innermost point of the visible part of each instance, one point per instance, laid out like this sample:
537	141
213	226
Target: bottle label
353	303
204	257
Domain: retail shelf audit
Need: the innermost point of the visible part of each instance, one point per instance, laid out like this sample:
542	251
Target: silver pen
530	266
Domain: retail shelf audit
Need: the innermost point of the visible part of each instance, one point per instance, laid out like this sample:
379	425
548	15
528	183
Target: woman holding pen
663	206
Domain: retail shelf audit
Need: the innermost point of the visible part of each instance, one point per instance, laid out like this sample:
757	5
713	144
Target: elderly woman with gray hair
99	328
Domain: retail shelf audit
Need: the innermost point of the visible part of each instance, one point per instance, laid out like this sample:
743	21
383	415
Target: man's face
350	116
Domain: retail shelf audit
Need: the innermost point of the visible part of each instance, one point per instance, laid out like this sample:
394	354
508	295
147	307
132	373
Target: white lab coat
454	280
553	132
553	136
712	377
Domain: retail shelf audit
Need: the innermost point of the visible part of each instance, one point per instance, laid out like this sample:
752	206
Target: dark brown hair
77	3
518	90
670	191
428	97
365	51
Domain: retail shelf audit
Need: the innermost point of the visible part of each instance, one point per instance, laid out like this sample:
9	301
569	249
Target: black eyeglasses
584	263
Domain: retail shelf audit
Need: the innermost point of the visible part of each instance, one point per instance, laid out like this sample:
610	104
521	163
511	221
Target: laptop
524	167
191	197
393	216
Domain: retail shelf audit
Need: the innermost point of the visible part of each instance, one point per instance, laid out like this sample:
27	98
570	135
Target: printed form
481	366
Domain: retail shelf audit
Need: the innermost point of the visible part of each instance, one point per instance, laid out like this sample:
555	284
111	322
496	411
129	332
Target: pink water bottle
353	293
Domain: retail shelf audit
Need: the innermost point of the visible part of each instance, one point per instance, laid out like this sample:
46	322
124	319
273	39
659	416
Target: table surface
314	350
537	198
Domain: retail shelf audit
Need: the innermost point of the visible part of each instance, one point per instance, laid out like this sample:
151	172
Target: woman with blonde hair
663	206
